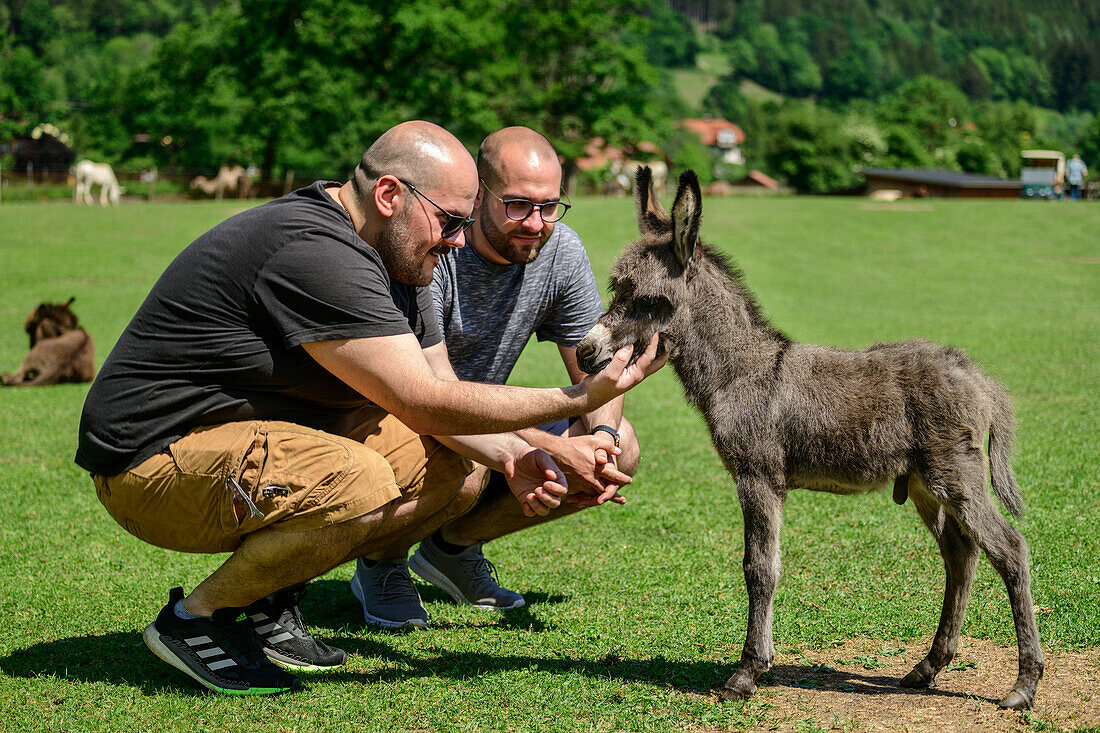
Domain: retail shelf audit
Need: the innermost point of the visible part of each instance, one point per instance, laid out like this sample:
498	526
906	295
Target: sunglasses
455	222
520	209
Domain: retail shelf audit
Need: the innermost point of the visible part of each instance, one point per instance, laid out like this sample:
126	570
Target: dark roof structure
921	182
937	177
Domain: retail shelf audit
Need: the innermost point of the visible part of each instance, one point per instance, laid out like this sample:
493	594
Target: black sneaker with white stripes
285	639
220	653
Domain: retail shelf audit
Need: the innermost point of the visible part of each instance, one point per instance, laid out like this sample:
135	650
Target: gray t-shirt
488	312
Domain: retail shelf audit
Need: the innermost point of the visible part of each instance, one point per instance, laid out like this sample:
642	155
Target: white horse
90	174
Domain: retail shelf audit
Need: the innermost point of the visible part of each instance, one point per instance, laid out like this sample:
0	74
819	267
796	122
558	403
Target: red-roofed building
597	153
724	137
757	178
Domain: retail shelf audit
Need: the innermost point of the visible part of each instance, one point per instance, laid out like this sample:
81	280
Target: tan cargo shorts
218	483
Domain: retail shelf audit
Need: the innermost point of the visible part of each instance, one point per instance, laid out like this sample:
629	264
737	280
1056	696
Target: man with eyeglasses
522	273
272	396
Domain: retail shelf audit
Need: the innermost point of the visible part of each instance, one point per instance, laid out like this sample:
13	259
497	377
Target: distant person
1076	173
523	274
272	399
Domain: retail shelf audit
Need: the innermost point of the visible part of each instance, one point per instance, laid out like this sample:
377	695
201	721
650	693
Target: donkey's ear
686	213
652	217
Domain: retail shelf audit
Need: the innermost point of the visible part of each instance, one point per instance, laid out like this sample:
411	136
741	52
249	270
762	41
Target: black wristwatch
607	429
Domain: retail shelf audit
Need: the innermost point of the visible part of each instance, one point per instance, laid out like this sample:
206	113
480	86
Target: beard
501	242
399	251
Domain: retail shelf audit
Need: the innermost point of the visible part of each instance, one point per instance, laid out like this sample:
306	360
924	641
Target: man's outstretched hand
620	375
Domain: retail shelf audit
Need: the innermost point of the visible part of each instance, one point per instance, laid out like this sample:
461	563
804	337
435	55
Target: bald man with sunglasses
272	399
522	273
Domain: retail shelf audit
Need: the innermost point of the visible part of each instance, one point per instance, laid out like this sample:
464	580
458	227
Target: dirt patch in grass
855	687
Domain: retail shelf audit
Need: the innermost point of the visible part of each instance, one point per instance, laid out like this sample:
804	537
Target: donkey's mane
729	269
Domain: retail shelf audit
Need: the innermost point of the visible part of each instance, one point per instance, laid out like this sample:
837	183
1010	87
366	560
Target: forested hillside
820	89
1045	53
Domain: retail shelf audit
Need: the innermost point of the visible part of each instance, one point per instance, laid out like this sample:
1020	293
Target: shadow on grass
813	677
118	658
122	659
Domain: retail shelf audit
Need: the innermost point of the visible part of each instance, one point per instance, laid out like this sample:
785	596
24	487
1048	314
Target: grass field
636	612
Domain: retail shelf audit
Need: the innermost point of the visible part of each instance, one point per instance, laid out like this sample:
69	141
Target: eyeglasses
455	222
520	209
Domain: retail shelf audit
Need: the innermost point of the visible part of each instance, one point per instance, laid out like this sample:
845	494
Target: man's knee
627	461
469	493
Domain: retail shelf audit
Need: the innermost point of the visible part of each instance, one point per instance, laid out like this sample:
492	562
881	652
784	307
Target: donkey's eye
651	304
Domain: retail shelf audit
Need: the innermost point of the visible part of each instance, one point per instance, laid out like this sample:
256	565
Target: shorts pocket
287	471
213	450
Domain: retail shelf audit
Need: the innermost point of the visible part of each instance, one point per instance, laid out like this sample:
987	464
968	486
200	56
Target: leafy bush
685	151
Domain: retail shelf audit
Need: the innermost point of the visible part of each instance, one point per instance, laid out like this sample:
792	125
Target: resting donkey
785	415
61	351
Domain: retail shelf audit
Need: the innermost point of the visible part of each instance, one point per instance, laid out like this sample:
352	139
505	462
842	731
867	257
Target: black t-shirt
219	338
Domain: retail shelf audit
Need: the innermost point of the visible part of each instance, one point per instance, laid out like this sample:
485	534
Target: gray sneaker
387	594
468	577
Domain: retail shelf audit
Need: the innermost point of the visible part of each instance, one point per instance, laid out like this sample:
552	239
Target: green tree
1088	144
904	148
808	149
856	73
305	86
670	40
686	152
1005	127
726	100
742	57
1031	80
24	95
936	109
975	155
997	70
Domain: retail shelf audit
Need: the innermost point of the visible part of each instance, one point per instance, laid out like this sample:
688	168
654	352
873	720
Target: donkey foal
785	415
61	351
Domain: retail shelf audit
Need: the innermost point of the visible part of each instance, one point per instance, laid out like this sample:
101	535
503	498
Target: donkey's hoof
917	679
1015	701
738	688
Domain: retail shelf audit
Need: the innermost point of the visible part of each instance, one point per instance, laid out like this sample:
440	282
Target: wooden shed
921	182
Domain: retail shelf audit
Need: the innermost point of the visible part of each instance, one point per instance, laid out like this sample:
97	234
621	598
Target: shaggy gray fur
785	415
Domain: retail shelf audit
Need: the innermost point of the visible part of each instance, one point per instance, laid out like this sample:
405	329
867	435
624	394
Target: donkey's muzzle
594	352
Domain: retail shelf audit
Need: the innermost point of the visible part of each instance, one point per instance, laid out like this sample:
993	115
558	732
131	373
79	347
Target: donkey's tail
1002	431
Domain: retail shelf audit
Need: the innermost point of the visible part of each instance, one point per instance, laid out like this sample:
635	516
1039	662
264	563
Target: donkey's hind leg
960	557
963	490
762	506
1007	552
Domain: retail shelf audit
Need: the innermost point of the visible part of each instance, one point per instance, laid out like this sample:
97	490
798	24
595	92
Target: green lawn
636	612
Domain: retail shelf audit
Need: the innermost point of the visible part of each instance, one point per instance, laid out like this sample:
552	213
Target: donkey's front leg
762	506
